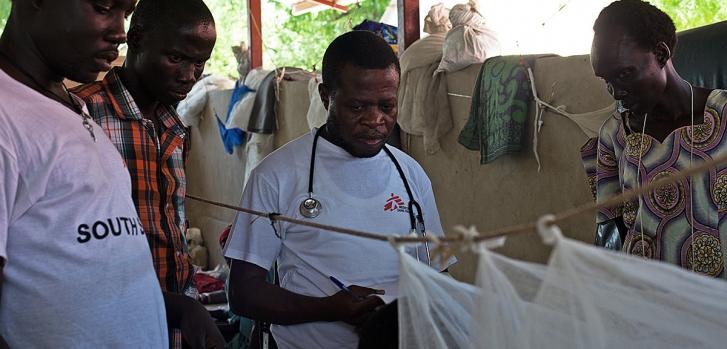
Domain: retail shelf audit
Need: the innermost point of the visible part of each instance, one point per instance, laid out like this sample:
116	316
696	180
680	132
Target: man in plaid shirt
169	43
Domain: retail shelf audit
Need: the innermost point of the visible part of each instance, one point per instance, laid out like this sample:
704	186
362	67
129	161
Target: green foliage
231	24
688	14
299	41
4	13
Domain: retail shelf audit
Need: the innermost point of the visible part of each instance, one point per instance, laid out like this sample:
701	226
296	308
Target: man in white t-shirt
75	267
357	185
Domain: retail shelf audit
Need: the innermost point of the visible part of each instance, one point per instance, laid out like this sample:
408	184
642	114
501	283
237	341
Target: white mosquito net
585	297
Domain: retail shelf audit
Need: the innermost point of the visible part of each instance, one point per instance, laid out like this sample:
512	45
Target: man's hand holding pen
354	304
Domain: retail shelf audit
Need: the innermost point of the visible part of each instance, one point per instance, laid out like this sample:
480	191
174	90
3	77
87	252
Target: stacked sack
470	41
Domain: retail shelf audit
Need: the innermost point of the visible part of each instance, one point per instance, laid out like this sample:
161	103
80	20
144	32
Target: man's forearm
270	303
252	296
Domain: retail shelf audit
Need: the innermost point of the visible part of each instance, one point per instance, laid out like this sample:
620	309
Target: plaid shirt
155	159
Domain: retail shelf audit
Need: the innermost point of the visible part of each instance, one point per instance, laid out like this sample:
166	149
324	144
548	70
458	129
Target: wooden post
256	33
408	23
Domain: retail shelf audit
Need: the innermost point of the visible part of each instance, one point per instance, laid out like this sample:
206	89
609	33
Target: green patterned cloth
500	103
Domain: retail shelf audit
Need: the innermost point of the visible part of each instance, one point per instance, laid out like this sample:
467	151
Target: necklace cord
638	185
68	103
689	179
71	103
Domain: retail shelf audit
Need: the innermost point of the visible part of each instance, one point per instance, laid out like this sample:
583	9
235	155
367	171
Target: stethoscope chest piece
310	208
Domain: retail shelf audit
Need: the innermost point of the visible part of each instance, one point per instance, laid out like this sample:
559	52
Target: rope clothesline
541	106
458	95
495	233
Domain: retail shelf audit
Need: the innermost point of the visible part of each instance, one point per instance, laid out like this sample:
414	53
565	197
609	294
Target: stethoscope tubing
413	204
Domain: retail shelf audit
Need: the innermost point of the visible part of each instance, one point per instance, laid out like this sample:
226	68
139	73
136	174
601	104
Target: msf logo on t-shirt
395	204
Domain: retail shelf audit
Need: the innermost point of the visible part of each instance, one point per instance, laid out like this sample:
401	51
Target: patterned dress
660	222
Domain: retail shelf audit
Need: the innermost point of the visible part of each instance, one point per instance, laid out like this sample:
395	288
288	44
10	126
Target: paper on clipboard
391	289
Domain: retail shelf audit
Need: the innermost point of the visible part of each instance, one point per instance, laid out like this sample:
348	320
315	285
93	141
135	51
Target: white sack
317	113
240	114
437	20
191	109
469	42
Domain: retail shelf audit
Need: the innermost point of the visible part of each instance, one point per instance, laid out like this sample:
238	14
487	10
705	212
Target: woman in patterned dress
665	125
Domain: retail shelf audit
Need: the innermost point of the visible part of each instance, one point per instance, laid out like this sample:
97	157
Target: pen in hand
348	290
342	286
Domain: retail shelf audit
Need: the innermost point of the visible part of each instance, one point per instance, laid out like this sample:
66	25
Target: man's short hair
641	21
152	15
360	48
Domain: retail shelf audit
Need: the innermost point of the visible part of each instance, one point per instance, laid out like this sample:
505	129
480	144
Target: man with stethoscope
344	175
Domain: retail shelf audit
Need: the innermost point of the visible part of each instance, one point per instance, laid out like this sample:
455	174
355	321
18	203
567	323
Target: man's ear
325	94
662	52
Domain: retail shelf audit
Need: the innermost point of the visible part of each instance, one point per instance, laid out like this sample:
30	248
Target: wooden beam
306	6
256	33
303	7
331	4
408	23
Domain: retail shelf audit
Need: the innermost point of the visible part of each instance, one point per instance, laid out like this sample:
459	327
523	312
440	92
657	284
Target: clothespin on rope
468	236
548	231
394	241
444	251
440	252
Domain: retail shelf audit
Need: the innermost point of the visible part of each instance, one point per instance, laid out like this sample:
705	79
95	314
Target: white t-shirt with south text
78	271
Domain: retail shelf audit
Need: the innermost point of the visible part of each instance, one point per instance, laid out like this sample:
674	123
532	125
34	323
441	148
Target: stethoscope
311	207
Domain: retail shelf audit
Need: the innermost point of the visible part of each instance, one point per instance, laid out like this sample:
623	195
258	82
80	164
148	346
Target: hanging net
585	297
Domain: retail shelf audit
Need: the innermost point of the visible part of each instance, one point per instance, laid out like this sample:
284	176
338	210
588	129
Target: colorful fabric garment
387	32
155	159
660	223
232	137
500	104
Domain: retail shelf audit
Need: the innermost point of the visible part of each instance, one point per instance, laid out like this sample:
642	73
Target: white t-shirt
78	270
358	193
